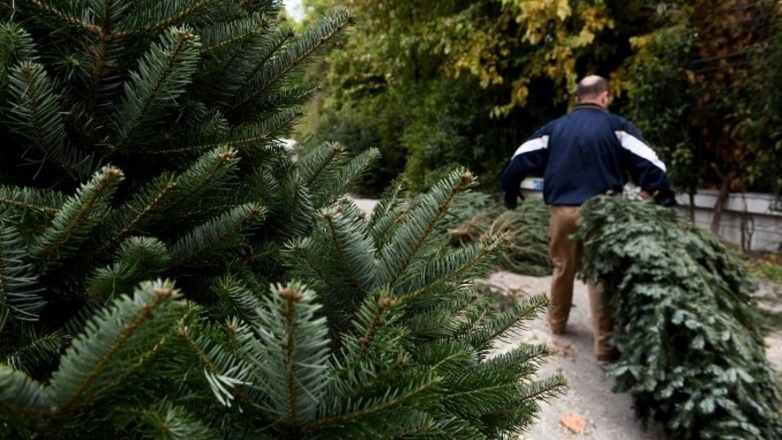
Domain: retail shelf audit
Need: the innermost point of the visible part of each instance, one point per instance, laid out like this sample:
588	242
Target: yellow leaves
641	42
584	38
690	74
563	9
557	34
519	97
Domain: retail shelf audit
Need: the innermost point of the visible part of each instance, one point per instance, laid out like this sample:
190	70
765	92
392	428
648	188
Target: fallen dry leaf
575	423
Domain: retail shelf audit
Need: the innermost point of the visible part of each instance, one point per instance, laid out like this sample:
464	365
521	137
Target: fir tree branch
41	351
461	181
527	357
241	301
78	213
165	193
210	169
19	290
426	429
223	35
216	234
212	368
16	45
544	388
190	311
477	391
169	422
244	136
253	134
393	399
63	16
469	258
510	319
277	41
387	213
19	392
37	115
290	297
101	54
130	226
383	305
32	199
335	183
314	165
228	65
147	21
339	245
300	52
162	75
155	295
294	342
475	313
299	250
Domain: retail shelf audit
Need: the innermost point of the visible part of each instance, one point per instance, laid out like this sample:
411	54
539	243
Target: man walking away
583	154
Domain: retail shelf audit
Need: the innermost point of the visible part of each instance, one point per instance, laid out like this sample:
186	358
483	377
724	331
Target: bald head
593	89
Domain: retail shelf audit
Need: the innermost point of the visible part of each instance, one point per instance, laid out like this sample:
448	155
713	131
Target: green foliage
139	145
450	126
766	266
693	353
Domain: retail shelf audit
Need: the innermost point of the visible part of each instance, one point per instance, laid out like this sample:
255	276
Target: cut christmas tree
693	354
167	270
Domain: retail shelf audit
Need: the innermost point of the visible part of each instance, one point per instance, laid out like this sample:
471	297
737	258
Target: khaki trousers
566	255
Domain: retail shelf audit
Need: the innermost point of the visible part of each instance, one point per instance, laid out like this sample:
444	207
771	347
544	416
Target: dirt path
605	415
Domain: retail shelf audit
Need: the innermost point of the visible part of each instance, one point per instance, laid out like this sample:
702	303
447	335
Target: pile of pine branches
693	353
526	228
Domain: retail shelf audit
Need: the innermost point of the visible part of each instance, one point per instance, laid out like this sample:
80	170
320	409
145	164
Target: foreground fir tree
693	353
138	145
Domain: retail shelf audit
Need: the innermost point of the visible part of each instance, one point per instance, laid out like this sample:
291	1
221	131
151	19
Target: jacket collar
589	105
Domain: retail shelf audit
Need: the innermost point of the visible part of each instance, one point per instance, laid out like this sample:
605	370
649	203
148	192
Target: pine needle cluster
693	353
167	270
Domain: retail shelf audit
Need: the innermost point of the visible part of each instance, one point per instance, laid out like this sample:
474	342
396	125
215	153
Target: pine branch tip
289	294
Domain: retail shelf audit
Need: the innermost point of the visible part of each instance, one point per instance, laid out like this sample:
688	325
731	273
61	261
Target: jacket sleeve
530	156
646	169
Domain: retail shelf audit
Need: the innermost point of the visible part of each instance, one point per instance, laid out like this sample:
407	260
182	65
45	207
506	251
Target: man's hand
667	200
512	200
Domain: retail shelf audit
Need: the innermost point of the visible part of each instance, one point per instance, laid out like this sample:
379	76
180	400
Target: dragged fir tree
138	145
527	227
693	353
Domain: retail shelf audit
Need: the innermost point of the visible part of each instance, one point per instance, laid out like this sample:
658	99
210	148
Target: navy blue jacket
586	153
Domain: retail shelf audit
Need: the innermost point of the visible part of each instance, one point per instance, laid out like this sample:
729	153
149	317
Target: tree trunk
716	217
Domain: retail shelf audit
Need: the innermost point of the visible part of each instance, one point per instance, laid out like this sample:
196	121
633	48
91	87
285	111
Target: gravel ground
589	401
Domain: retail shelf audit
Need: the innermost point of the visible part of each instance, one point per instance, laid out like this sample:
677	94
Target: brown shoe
609	357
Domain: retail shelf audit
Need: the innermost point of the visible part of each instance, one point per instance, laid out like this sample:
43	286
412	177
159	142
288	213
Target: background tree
698	88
